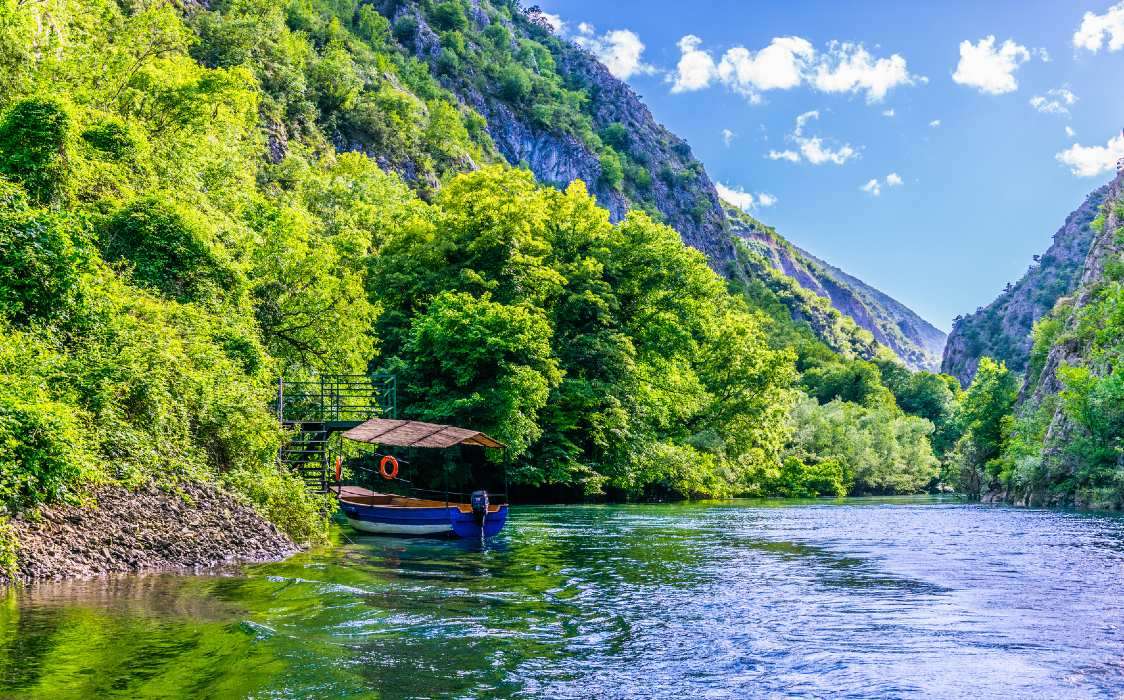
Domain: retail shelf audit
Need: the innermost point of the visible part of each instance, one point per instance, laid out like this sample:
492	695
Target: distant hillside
889	322
1001	330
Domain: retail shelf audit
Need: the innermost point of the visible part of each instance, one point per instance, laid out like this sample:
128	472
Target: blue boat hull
441	520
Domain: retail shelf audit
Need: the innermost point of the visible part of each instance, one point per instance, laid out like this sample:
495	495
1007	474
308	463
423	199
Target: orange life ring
393	472
339	467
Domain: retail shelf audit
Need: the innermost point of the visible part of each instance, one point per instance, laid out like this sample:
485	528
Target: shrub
283	499
449	16
9	547
40	267
515	83
616	136
33	136
405	29
113	139
612	170
167	250
41	451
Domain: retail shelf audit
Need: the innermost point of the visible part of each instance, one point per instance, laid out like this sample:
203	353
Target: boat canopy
412	433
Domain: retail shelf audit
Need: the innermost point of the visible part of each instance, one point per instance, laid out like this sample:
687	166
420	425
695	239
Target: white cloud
744	200
695	69
1057	101
935	123
1070	132
848	67
1090	161
792	156
874	188
888	112
1095	28
788	62
812	148
620	50
988	68
727	136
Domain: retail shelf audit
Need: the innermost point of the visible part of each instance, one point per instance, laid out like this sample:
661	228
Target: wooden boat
392	514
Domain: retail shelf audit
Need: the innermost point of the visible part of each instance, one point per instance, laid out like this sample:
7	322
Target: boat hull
407	519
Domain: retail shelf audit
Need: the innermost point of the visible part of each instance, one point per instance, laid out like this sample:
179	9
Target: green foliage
878	449
799	480
283	499
449	16
9	549
855	381
33	140
612	170
515	83
39	266
405	29
168	250
984	420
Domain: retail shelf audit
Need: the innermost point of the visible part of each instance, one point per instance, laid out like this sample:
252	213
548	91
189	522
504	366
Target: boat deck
365	497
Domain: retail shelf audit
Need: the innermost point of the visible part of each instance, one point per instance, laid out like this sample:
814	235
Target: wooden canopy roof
412	433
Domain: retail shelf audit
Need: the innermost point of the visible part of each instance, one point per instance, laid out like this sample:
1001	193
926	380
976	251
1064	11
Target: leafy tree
984	419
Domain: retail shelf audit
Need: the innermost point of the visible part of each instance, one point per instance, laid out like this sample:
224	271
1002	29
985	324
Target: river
866	598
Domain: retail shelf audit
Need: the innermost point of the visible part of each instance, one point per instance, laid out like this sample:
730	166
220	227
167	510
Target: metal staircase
313	411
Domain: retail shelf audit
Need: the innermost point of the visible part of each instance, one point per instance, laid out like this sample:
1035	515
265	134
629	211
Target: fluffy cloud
1090	161
788	62
744	200
695	68
620	50
1056	101
1070	132
791	156
849	67
812	148
874	188
727	136
990	68
1095	28
935	123
555	22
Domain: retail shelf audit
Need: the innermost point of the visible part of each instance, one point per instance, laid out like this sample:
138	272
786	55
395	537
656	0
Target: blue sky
991	143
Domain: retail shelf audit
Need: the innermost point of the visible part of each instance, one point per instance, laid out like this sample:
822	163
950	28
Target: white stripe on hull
397	529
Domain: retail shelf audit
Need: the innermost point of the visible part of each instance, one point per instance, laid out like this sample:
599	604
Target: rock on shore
192	527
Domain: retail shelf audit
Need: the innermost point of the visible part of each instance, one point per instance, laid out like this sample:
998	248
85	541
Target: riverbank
195	526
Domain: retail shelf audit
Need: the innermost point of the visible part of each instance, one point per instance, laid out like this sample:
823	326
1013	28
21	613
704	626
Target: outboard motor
479	506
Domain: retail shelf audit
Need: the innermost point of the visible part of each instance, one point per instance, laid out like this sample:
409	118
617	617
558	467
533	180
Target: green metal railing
337	398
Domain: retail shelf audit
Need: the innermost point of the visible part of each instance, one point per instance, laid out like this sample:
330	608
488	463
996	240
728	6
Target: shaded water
865	598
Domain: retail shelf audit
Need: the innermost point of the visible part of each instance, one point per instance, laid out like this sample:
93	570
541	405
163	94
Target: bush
515	83
40	267
283	499
612	170
449	16
405	29
33	136
616	136
9	548
41	451
113	139
167	251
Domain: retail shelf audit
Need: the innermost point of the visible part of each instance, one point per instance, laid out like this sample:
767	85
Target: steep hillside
1002	329
917	342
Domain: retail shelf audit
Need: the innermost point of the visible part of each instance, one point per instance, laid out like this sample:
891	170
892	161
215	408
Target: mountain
548	105
889	322
1002	329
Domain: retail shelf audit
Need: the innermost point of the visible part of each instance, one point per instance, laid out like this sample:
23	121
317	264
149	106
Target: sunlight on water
883	598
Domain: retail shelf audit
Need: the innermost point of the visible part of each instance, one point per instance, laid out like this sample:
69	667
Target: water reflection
886	597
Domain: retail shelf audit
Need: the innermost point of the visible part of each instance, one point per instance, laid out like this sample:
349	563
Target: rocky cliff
1001	329
913	339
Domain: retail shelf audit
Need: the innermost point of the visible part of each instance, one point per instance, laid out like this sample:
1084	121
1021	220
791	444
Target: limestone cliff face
913	339
1001	329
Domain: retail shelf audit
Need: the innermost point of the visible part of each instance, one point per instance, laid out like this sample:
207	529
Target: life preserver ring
339	467
388	473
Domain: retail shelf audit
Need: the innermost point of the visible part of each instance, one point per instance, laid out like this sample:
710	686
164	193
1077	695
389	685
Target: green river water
860	598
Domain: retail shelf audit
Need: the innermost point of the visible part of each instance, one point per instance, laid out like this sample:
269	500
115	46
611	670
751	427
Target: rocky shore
193	527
